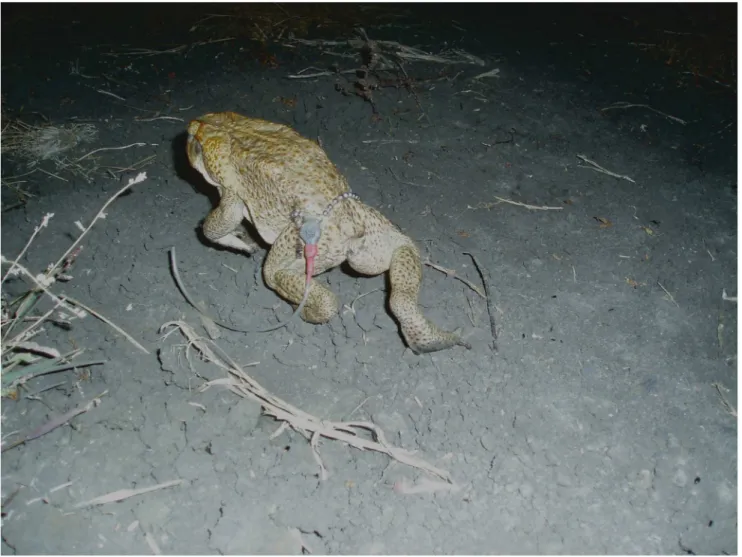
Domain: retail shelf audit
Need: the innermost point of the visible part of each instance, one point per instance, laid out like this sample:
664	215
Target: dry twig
492	73
452	273
622	105
122	494
595	166
104	92
402	51
110	149
173	118
727	406
141	177
488	298
107	322
301	75
672	298
518	203
726	298
54	423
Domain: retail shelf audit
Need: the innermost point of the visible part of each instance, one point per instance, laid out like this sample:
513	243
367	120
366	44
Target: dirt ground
605	421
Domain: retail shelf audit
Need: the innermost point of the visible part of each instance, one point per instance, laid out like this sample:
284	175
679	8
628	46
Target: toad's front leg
222	222
284	272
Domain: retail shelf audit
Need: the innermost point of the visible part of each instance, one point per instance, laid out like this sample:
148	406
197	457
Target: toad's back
271	157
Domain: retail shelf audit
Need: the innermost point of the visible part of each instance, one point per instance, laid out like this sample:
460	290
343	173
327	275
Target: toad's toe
432	339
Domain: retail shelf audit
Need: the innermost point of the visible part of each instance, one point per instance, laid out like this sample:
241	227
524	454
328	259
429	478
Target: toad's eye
195	147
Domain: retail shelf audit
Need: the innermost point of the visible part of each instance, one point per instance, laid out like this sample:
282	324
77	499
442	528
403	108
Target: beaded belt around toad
297	214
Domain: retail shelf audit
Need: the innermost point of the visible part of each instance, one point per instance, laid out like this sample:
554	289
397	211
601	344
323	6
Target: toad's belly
268	229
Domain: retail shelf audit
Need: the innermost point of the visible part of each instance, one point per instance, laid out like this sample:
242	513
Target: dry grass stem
350	433
141	177
136	166
54	423
517	203
622	105
595	166
389	141
491	73
405	181
111	149
122	494
104	92
149	538
40	281
470	314
145	52
488	298
44	223
401	51
672	298
728	298
173	118
727	406
317	74
352	304
452	273
32	329
52	174
108	322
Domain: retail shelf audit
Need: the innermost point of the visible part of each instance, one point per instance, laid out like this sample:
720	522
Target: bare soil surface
597	426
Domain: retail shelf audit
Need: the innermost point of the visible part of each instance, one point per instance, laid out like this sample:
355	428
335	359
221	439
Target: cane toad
269	175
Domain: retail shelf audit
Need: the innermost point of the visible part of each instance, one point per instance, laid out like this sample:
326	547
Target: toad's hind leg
284	272
405	275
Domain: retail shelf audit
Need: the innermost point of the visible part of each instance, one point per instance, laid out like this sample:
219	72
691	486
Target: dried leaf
604	223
